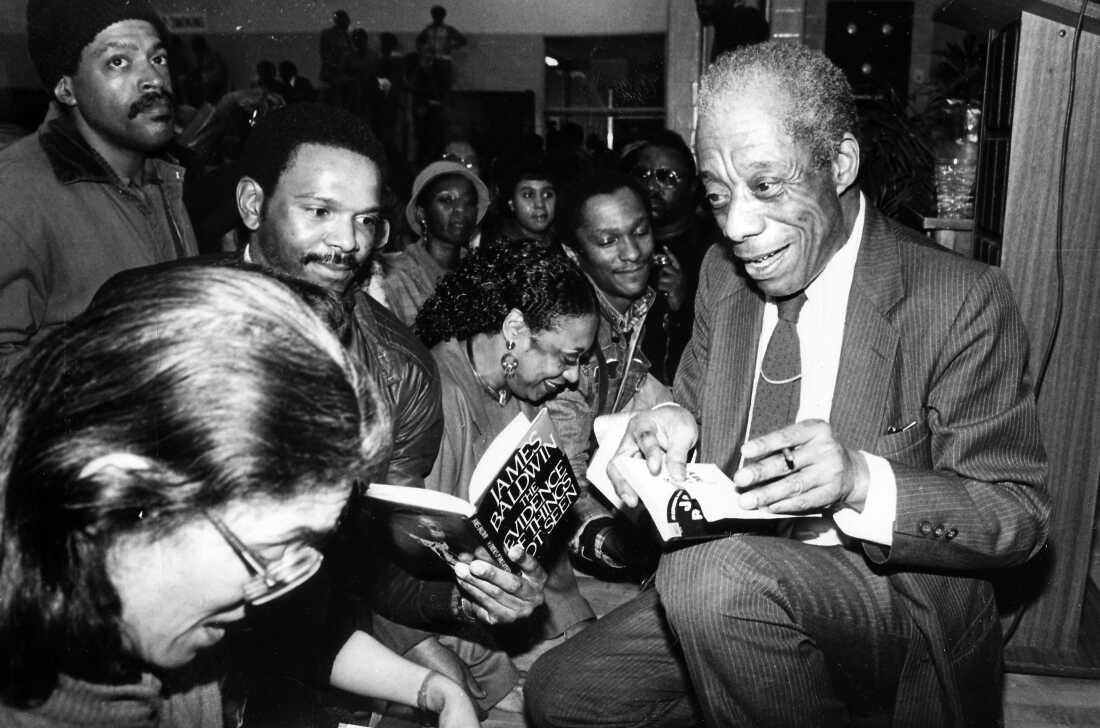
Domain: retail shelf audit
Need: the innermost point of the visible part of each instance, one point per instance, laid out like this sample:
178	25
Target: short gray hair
821	107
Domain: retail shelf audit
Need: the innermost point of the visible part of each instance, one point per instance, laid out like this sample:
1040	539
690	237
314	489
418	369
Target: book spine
490	545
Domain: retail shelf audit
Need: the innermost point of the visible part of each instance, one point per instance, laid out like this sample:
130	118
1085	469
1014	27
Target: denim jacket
615	378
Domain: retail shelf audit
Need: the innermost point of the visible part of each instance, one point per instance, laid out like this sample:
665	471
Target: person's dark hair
271	145
387	42
221	386
287	70
541	283
438	13
814	99
265	70
664	139
573	198
527	167
359	39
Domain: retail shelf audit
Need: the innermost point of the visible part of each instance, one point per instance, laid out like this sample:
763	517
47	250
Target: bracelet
422	693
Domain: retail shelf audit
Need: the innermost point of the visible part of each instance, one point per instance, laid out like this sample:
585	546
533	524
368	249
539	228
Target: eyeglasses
452	157
664	176
270	579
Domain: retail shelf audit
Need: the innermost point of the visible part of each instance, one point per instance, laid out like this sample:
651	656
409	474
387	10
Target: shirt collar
632	318
840	270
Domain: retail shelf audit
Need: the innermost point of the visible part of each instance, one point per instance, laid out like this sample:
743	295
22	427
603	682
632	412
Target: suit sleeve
970	478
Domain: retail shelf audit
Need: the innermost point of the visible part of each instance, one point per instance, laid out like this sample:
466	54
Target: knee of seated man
707	577
547	690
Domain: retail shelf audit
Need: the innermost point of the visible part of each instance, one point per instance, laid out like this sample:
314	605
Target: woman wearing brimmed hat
447	204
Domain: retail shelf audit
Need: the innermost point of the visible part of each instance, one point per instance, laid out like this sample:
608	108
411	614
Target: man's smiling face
323	218
781	212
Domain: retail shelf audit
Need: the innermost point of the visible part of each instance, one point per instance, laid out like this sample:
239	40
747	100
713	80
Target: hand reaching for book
497	596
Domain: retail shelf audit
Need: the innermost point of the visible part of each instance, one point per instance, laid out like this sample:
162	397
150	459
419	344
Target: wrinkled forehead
749	129
760	97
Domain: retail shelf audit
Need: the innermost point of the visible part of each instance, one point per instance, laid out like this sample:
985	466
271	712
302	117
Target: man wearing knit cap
87	196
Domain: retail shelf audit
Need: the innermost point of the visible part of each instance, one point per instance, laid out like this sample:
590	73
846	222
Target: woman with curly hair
508	330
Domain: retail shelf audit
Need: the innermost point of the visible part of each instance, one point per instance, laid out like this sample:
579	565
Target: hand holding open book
520	491
685	508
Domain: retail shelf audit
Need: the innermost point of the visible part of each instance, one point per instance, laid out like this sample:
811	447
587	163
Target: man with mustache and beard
88	195
311	202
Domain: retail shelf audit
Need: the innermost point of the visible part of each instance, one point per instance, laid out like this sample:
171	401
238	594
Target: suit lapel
870	346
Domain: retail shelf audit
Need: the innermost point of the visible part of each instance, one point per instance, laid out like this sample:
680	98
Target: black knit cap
58	30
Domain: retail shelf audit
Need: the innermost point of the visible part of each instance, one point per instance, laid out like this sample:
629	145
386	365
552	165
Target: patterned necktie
779	386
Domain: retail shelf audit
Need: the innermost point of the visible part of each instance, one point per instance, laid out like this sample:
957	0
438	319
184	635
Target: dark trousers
743	631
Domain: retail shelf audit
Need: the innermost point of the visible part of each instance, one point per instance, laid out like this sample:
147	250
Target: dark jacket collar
73	159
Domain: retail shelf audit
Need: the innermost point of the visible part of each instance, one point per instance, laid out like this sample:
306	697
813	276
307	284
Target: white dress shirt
820	334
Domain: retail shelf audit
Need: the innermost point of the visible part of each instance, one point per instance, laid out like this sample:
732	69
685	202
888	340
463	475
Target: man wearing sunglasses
666	167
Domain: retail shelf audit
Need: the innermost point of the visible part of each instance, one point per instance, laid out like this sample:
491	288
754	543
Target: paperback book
520	491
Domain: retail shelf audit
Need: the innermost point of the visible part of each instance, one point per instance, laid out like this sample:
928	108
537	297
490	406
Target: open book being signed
685	509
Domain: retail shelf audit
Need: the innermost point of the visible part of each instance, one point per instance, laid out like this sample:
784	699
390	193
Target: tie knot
790	307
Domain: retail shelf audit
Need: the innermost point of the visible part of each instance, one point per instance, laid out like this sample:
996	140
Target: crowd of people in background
187	438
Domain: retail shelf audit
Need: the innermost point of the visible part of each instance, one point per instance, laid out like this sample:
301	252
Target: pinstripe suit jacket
929	338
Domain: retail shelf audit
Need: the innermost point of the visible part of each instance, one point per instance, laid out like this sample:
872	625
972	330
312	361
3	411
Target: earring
508	362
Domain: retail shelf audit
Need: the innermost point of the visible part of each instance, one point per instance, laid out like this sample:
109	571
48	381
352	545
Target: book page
498	452
420	498
609	430
705	482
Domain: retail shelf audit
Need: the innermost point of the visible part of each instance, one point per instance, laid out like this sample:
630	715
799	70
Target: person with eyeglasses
464	153
170	460
664	164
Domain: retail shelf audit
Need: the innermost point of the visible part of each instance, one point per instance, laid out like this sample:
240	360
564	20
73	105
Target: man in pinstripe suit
915	449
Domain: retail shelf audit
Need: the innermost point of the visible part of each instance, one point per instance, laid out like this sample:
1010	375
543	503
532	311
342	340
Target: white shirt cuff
875	523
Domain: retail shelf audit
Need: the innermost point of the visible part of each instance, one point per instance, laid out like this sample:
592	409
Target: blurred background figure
361	71
526	205
296	88
447	204
335	51
435	44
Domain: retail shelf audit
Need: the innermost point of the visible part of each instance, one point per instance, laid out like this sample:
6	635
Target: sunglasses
271	579
664	176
